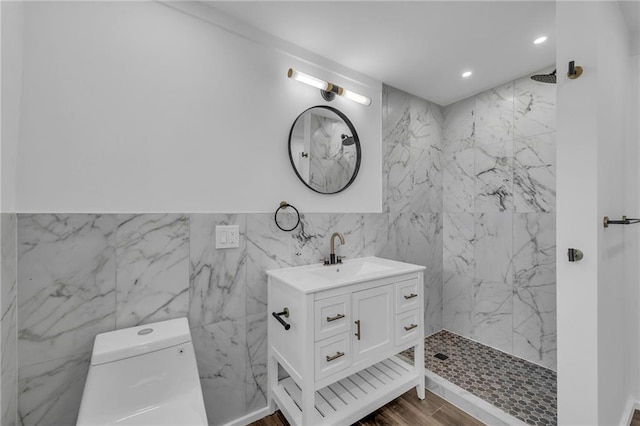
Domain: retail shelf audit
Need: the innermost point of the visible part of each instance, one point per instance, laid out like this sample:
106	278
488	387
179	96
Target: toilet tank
145	375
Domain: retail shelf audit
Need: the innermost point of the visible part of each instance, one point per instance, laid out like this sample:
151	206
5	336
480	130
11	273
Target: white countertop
317	277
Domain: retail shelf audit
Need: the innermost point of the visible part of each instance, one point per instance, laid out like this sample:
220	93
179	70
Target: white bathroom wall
632	236
596	160
154	110
614	81
11	81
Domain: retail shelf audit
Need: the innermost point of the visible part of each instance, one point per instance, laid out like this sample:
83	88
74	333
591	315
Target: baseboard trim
249	418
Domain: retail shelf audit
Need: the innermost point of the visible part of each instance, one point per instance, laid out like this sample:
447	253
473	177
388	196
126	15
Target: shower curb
469	403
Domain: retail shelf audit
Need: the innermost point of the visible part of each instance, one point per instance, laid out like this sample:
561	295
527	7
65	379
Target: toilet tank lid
134	341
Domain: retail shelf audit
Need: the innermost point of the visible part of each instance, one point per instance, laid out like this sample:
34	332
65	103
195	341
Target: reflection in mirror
324	149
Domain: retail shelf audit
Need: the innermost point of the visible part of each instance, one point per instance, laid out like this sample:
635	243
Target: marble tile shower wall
8	321
82	274
499	219
413	137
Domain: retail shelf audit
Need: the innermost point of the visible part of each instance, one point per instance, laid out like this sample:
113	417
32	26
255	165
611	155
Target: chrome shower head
347	140
545	78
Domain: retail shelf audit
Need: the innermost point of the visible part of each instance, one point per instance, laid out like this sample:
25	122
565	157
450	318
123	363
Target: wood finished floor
635	421
404	410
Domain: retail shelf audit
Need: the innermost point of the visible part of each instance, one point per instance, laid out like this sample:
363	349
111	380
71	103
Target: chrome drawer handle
336	356
410	296
337	317
410	327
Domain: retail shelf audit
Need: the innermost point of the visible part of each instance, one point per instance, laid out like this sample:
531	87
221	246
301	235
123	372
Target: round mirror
324	149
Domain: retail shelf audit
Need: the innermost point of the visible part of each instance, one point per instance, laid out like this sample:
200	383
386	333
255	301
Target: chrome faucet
332	255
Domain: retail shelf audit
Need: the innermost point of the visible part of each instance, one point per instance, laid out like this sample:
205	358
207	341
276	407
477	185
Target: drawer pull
337	317
410	327
410	296
336	356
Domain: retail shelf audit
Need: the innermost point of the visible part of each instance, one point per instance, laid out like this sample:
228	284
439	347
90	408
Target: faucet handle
324	260
339	258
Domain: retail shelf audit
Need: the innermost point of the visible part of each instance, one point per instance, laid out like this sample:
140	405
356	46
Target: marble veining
534	174
412	177
8	320
221	353
458	244
152	269
409	119
267	248
218	277
50	392
493	314
535	107
534	303
415	238
459	125
493	247
412	144
433	307
457	301
494	115
66	276
256	387
494	178
458	180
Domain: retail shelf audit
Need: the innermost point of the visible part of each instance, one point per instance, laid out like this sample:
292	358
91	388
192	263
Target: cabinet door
373	309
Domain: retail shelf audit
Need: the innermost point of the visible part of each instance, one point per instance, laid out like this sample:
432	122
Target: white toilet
145	375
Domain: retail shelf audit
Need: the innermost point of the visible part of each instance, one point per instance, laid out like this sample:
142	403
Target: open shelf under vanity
346	399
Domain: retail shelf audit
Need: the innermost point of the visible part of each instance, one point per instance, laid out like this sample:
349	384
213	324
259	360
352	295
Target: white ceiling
421	47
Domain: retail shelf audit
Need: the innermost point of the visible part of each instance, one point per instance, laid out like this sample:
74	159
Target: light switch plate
227	236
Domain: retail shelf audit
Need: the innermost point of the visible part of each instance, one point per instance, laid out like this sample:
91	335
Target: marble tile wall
8	321
413	136
499	219
83	274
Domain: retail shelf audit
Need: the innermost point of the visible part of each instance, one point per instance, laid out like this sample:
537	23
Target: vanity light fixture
540	40
466	74
328	90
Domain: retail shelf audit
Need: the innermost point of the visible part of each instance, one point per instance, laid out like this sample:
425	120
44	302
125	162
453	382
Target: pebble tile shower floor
520	388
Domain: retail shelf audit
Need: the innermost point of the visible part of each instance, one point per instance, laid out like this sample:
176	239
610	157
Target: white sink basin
316	277
351	269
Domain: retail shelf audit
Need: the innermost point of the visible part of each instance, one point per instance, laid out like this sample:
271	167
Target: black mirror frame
352	129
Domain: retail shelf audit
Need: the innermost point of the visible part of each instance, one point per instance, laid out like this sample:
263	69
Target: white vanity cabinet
346	323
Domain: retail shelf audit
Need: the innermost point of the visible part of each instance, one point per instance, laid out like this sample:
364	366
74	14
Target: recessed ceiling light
466	74
540	40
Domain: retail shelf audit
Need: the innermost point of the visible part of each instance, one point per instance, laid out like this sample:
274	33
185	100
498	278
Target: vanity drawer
332	316
407	326
408	295
332	355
